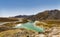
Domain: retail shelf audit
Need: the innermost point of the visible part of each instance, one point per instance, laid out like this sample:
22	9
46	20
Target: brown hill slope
48	14
8	19
52	14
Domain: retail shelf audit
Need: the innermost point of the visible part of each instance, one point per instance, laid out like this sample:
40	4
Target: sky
10	8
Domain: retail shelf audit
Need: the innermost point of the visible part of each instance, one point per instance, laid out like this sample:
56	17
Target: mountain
45	15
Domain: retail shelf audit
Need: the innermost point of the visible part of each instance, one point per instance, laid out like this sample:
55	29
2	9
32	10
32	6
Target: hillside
45	15
8	19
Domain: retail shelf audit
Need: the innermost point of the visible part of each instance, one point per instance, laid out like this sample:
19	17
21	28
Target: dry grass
49	23
8	19
18	33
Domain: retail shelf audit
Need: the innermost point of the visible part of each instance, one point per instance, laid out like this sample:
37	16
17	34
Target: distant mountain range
45	15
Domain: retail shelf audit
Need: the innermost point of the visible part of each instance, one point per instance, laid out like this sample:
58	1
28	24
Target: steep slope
48	15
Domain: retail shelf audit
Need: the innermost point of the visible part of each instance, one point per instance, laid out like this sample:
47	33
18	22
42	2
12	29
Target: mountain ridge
45	15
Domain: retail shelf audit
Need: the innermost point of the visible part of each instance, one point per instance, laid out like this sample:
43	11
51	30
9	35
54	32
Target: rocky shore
52	32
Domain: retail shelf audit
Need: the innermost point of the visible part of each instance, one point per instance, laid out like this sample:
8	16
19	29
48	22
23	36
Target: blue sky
26	7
